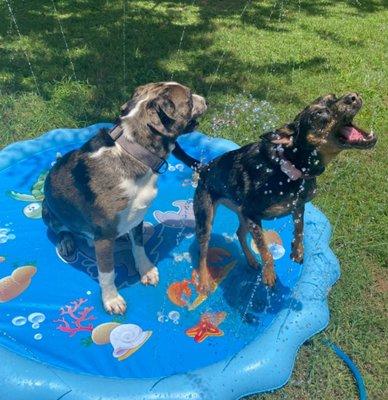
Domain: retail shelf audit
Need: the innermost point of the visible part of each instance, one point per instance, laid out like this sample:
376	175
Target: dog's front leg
269	275
113	302
149	274
297	242
204	213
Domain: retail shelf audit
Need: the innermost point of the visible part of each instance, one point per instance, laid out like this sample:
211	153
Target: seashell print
126	339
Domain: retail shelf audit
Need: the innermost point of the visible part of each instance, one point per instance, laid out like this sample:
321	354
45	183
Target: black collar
146	157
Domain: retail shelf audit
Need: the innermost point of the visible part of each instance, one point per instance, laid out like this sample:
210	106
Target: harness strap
288	167
143	155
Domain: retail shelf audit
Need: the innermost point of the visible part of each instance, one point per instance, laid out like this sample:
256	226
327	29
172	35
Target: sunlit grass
284	52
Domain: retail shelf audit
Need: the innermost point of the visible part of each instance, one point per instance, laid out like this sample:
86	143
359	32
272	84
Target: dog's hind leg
204	213
242	232
113	302
65	244
269	276
149	274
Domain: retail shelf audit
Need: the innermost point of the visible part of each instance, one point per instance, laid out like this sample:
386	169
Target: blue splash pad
242	339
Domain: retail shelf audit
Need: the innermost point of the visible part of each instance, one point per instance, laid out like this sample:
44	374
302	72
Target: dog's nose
353	98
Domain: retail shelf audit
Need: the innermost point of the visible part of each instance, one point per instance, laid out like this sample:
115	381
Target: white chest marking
140	194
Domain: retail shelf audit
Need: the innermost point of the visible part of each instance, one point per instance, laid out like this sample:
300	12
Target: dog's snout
199	105
353	99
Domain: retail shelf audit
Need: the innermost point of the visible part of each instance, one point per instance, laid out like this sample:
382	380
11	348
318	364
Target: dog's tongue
352	134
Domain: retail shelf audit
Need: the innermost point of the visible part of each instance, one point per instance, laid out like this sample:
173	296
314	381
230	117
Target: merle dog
103	189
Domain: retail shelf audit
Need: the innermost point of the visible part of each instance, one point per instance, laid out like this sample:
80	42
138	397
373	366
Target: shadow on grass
116	46
114	51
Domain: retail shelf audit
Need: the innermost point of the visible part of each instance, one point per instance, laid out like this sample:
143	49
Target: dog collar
288	167
146	157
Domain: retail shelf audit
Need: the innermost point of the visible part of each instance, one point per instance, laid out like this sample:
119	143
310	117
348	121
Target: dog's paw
204	288
66	245
115	304
269	276
297	253
206	284
151	277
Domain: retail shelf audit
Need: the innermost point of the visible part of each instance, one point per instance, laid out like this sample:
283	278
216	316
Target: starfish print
207	326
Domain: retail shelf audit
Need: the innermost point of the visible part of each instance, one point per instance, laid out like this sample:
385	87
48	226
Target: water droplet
171	168
19	320
88	292
35	326
38	336
36	317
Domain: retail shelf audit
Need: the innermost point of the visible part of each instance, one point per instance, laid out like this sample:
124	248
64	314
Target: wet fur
250	181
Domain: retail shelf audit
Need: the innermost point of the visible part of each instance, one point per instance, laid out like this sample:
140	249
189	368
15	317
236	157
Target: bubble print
19	320
5	235
36	318
174	316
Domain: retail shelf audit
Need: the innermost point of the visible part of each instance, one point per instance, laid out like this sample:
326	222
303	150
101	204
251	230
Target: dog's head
166	108
327	122
320	132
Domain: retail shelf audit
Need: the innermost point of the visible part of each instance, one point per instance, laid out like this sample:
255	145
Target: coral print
207	326
73	316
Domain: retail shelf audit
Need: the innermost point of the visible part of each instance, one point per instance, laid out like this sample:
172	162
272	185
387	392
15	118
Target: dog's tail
181	155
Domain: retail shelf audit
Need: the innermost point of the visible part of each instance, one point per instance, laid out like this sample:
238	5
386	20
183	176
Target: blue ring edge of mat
265	364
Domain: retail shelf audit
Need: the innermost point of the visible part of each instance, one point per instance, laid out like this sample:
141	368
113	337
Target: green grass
284	52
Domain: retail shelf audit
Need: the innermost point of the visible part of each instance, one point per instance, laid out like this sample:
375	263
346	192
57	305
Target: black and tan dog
102	190
276	176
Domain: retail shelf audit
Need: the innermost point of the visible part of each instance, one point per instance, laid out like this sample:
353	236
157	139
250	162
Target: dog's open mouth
352	136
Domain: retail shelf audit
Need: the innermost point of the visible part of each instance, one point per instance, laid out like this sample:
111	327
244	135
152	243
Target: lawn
71	64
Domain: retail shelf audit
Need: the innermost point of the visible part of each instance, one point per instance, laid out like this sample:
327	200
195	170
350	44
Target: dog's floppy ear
161	113
283	136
